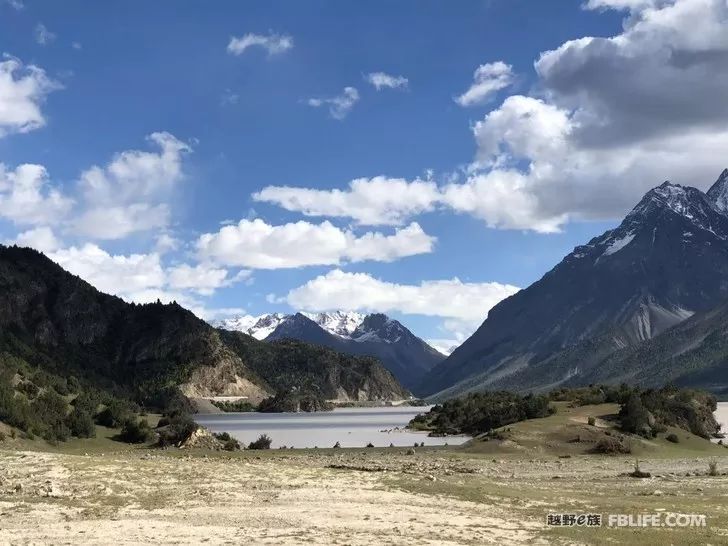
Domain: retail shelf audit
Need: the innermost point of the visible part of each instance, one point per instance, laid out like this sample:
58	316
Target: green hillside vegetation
646	413
478	413
70	355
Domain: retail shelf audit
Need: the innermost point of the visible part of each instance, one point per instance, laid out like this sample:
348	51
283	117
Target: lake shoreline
382	426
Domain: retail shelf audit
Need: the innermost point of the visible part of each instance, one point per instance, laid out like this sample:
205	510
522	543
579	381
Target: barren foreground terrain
343	497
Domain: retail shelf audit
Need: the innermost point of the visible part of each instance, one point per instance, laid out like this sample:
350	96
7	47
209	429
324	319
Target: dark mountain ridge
407	356
57	322
667	260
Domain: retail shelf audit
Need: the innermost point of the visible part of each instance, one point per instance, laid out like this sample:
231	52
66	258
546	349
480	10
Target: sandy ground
133	498
336	497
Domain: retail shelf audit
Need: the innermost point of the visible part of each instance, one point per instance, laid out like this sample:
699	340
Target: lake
351	427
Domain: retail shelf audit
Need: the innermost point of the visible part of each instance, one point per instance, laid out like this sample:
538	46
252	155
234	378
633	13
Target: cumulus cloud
127	195
23	88
382	80
273	43
488	79
27	198
453	298
40	238
42	35
203	278
113	274
258	245
142	278
340	105
618	116
369	201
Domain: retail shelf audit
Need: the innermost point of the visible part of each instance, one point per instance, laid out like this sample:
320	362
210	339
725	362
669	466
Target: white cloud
22	91
203	278
15	4
273	43
488	79
382	80
616	117
40	238
258	245
166	243
108	223
113	274
453	298
340	105
618	4
369	201
42	35
25	196
127	195
142	278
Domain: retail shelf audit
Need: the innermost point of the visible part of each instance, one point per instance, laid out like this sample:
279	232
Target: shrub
592	422
635	418
228	442
178	427
3	437
638	473
672	437
80	423
609	445
114	415
263	442
713	468
30	390
370	444
135	431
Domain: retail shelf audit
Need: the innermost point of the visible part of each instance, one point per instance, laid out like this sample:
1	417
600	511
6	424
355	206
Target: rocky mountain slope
407	356
666	261
58	323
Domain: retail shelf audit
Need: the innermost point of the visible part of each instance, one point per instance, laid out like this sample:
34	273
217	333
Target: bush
228	442
177	428
30	390
713	468
136	431
635	418
80	423
114	415
638	472
592	422
672	437
370	444
609	445
263	442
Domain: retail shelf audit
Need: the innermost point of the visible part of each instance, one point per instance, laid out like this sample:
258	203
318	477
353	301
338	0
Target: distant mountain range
407	356
618	308
52	322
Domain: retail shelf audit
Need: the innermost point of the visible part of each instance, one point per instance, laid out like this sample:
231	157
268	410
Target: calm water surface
351	427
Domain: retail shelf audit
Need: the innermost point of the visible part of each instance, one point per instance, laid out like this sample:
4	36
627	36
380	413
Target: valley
495	492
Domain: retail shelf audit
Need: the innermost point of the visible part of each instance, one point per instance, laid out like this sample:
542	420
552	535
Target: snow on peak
718	192
340	323
259	327
615	245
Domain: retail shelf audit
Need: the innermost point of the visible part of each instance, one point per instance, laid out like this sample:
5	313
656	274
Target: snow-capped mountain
666	261
259	327
407	356
340	323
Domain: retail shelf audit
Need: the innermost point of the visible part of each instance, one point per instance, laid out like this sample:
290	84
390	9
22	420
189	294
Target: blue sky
105	76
